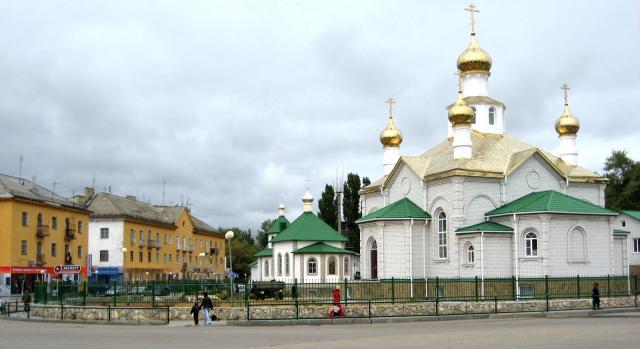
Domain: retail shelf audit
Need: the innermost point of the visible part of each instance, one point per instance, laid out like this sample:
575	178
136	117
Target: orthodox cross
566	89
308	182
472	8
390	101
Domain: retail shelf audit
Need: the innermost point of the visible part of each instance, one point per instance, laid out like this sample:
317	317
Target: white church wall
406	183
585	191
113	244
372	202
418	245
533	175
370	232
498	255
396	244
481	195
631	225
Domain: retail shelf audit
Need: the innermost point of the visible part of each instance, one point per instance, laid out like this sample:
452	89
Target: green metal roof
309	227
281	223
321	247
550	201
620	232
486	227
634	214
401	209
267	252
255	263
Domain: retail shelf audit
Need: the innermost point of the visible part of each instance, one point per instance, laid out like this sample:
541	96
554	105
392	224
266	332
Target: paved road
604	331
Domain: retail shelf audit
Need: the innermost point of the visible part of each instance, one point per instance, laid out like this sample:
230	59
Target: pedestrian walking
337	308
26	301
207	305
195	310
595	296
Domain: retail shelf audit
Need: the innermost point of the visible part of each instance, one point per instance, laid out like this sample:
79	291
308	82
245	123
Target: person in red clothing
337	308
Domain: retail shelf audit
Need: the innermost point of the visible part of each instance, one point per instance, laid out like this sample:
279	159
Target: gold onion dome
567	123
460	112
474	58
391	136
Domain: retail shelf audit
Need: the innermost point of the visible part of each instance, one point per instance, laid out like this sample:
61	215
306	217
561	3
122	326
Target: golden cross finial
566	89
472	8
390	101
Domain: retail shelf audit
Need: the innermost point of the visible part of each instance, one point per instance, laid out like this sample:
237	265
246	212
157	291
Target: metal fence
183	293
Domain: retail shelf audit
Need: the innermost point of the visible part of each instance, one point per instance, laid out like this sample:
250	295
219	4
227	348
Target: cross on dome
391	102
566	89
472	8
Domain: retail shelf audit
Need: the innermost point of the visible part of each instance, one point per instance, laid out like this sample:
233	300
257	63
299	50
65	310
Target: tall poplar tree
351	210
327	205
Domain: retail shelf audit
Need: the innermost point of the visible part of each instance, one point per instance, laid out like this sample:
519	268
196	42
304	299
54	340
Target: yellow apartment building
43	236
135	241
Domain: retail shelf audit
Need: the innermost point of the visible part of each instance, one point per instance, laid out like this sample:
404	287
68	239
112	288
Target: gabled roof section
633	214
493	156
104	205
399	210
281	223
267	252
19	188
322	248
485	227
309	227
374	187
550	201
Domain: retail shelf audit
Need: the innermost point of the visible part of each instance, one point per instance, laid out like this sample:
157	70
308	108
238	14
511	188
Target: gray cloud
234	104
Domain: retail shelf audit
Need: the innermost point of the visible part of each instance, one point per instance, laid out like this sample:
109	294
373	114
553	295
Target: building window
470	254
39	219
25	219
132	236
636	245
440	291
39	248
148	257
577	245
157	257
170	258
442	235
140	256
79	227
531	244
79	251
346	265
527	291
279	264
54	250
266	268
492	116
157	237
130	256
312	266
332	265
23	247
473	119
104	233
54	222
141	236
104	256
623	224
286	264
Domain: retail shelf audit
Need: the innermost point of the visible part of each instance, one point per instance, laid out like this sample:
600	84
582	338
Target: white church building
484	203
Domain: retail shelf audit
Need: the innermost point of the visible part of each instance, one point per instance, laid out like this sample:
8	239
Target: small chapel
305	250
483	203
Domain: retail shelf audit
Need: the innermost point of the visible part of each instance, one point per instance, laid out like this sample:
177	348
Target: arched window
530	244
266	268
67	224
312	266
332	265
577	245
279	264
442	235
473	120
492	116
39	219
470	254
286	264
346	265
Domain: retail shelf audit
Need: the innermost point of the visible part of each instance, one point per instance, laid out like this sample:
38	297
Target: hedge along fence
185	292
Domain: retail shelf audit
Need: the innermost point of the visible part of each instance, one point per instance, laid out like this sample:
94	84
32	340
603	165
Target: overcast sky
235	103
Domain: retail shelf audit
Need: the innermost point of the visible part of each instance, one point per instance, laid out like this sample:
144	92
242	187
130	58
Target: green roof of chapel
320	248
276	227
401	209
550	201
634	214
309	227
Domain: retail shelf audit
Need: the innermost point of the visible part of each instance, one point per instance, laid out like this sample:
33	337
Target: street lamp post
229	235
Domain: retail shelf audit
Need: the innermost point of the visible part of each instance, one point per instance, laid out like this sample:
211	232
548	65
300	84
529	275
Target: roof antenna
20	168
93	181
163	182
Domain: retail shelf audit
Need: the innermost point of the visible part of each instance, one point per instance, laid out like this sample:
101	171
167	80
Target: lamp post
229	235
124	258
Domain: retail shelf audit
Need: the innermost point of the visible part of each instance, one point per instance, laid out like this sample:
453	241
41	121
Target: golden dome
474	58
460	112
567	123
391	136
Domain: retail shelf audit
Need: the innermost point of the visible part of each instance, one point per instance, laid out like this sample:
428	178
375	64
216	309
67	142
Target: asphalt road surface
602	331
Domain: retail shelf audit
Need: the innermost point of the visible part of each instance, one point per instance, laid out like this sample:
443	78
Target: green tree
262	239
365	181
243	249
623	190
328	208
351	210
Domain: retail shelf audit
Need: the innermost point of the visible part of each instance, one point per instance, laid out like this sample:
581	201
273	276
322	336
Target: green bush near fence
185	292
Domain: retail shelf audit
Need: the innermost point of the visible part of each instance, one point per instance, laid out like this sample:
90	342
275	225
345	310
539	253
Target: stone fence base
373	310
